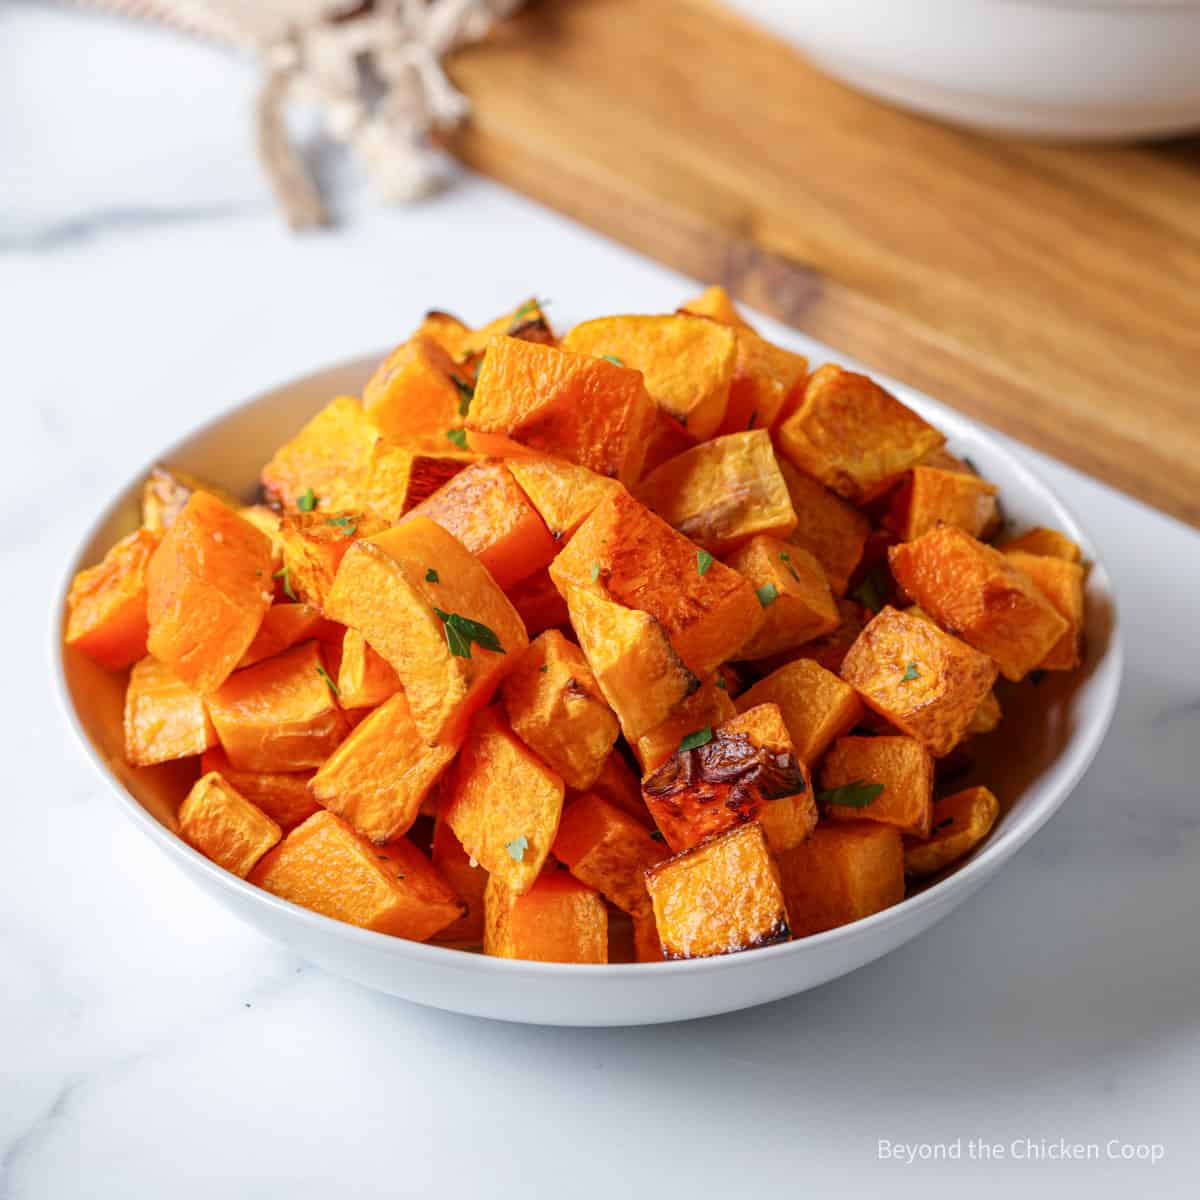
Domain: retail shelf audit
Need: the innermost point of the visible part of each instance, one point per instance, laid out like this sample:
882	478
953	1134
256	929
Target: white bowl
1044	747
1073	69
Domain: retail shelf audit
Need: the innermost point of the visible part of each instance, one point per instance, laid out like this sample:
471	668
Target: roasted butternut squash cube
830	651
722	493
224	826
831	530
283	627
744	770
609	850
934	497
208	588
527	323
282	795
667	439
378	777
417	396
816	706
853	436
167	490
280	714
794	594
445	329
432	610
719	897
314	544
634	664
328	457
398	478
1061	582
555	706
627	554
559	919
164	718
617	784
106	606
846	871
503	802
586	410
563	493
1047	542
924	682
467	878
856	768
485	509
975	592
960	823
687	362
326	867
764	376
539	603
364	679
716	304
708	705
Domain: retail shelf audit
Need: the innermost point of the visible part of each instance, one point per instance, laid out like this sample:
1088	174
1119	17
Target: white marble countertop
150	1045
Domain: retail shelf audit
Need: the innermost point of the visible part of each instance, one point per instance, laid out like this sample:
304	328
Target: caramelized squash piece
716	304
846	871
555	706
853	436
167	490
1061	582
208	588
687	362
901	766
397	479
314	544
558	919
444	328
975	592
467	878
1047	542
827	527
279	715
563	494
722	493
282	628
719	897
527	323
224	826
934	496
164	718
417	396
960	823
392	588
539	603
282	795
106	606
708	705
764	376
924	682
364	679
503	803
327	867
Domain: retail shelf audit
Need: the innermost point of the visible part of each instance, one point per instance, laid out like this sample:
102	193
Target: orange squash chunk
646	942
609	850
527	323
719	897
853	436
900	765
626	553
558	919
722	492
975	592
397	478
686	361
827	527
327	867
793	592
1061	582
503	803
417	395
283	627
816	706
764	376
208	587
634	664
846	871
106	605
167	490
586	410
445	329
329	456
556	707
960	823
279	715
1047	542
377	778
314	544
224	826
617	784
364	680
667	439
164	718
924	682
539	603
392	587
709	704
563	493
829	651
744	770
468	879
716	304
282	795
934	496
485	509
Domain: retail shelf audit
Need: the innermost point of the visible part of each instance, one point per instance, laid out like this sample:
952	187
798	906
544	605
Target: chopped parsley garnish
722	684
324	674
870	593
786	559
657	835
543	668
466	393
458	437
285	573
307	502
852	795
347	525
943	824
431	576
767	594
595	571
517	847
910	673
612	358
693	741
462	631
704	560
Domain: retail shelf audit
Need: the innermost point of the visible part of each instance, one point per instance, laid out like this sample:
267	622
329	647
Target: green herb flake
852	795
693	741
347	525
910	673
466	393
943	824
595	571
704	560
285	573
324	674
612	358
307	502
786	559
870	593
543	668
657	835
431	576
722	684
767	594
517	847
462	631
458	437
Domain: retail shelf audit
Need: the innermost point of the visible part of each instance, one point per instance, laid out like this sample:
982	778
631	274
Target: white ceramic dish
1047	741
1070	69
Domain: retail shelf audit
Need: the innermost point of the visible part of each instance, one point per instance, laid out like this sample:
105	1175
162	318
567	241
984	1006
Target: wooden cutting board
1053	292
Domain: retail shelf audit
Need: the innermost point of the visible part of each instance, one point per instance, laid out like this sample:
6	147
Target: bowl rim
981	865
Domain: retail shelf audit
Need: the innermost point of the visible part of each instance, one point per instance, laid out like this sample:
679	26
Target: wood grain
1053	292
